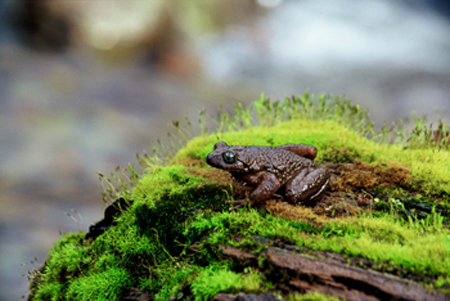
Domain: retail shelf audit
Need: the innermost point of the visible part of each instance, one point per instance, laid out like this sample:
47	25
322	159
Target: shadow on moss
166	221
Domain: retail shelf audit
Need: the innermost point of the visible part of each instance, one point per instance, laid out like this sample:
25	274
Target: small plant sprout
80	227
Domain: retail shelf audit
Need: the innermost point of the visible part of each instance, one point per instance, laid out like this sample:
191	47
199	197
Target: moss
379	239
105	285
168	242
212	281
66	262
169	280
311	297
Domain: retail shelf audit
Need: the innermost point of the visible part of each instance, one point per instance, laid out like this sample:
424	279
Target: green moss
167	242
212	281
106	285
67	260
311	297
169	280
383	239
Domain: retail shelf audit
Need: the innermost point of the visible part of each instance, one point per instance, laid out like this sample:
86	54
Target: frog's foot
236	202
278	196
240	204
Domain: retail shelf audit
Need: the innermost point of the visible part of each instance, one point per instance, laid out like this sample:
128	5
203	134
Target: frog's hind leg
308	186
303	150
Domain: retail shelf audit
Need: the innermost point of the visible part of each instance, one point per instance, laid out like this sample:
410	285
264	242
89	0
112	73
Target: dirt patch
332	205
294	212
191	162
213	174
351	177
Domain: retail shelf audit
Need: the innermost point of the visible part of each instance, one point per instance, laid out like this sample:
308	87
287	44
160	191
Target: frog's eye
229	157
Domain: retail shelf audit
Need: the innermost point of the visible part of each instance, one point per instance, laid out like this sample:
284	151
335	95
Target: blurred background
85	85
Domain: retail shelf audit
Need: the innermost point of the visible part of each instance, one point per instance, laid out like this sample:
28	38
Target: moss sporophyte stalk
386	209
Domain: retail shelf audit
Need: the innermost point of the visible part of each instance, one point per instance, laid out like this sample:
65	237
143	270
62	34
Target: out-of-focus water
391	57
64	116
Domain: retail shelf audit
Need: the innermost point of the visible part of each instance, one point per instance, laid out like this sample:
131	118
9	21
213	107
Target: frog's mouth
214	160
243	167
210	159
236	167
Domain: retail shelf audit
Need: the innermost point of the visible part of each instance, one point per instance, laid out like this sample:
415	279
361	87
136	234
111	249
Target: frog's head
226	157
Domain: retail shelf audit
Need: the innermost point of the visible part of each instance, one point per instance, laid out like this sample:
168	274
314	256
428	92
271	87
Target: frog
286	171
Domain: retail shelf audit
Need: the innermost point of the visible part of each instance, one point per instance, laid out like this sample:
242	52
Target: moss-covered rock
386	211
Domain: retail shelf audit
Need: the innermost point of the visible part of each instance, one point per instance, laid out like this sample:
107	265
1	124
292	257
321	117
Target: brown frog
287	169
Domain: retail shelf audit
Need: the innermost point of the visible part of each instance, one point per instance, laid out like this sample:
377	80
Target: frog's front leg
307	186
266	185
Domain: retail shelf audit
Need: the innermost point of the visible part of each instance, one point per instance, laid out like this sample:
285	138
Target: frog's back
282	163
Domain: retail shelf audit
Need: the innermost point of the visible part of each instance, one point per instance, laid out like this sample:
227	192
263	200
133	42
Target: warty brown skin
286	168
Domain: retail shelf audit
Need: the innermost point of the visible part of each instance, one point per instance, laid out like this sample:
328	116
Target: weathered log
307	274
